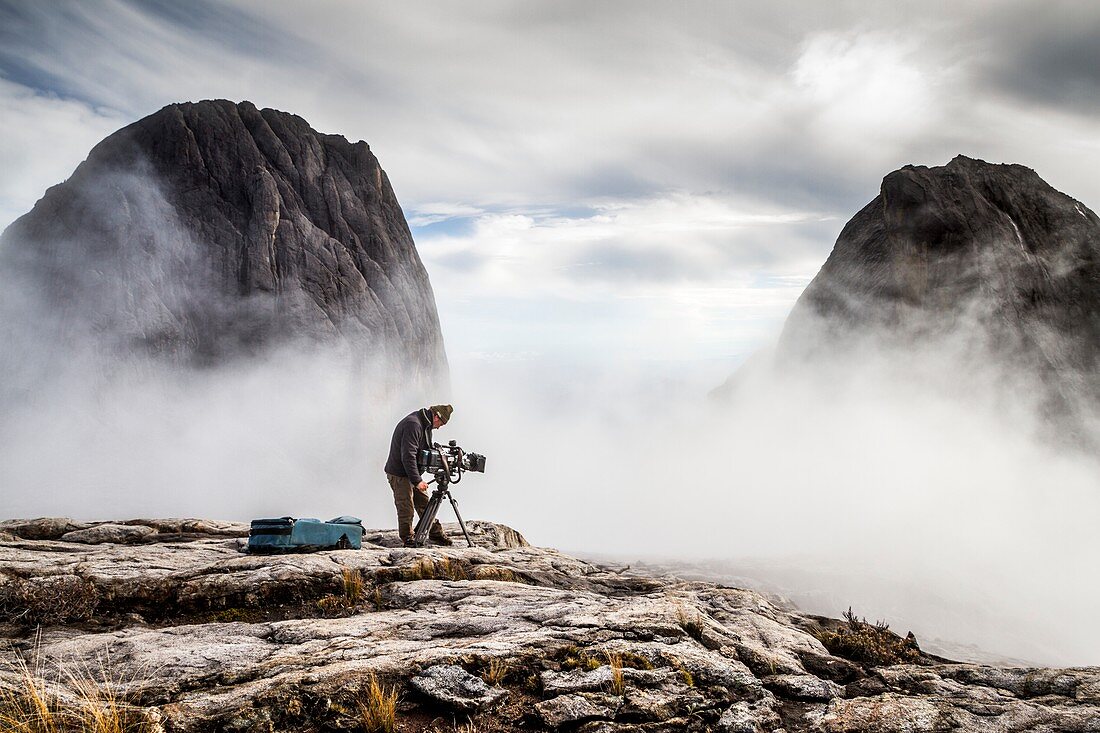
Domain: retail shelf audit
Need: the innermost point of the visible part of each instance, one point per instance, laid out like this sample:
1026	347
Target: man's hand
422	487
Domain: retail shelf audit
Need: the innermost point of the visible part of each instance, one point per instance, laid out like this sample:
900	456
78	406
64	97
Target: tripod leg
454	505
420	534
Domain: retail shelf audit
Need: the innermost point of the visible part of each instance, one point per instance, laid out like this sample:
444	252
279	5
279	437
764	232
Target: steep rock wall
213	229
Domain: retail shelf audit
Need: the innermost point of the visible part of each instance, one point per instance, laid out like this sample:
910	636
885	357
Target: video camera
449	461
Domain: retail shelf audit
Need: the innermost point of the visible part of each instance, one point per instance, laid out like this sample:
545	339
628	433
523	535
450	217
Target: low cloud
437	212
658	241
136	383
920	486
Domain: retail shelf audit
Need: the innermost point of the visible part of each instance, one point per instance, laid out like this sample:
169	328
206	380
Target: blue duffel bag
287	534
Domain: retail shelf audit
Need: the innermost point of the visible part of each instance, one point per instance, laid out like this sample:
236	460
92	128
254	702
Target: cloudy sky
657	181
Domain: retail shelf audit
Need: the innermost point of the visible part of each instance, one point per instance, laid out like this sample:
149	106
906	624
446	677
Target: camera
451	460
447	462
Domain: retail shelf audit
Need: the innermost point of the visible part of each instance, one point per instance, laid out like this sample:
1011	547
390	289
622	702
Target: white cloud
708	275
44	139
496	107
653	242
511	120
867	88
435	212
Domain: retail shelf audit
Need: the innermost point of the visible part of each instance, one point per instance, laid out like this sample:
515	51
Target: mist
285	435
138	382
937	509
935	498
922	489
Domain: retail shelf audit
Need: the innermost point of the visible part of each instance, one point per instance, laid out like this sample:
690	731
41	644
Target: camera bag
287	534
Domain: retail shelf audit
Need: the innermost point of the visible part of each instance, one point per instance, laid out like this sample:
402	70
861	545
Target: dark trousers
407	497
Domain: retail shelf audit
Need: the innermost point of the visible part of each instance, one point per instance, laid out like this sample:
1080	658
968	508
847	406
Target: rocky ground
194	635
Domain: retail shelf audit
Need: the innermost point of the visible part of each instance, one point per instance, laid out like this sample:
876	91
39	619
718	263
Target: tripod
442	490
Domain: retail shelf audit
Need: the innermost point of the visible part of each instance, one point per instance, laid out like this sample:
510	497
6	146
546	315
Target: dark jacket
412	435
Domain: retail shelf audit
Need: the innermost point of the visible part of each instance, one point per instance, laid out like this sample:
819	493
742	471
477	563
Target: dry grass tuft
333	606
574	657
467	727
454	569
690	623
444	568
495	672
686	675
422	569
635	661
353	585
84	702
870	644
102	709
617	685
378	707
28	706
492	572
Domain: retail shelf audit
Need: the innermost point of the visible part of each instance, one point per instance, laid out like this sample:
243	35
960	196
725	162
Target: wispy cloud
437	212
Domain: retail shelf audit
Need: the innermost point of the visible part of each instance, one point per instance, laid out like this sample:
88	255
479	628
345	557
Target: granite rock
453	687
984	266
108	532
576	708
204	637
214	229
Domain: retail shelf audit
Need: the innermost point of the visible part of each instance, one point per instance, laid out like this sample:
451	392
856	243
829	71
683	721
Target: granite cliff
987	259
213	229
196	636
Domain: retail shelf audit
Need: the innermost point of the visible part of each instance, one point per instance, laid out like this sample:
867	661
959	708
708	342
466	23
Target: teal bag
287	534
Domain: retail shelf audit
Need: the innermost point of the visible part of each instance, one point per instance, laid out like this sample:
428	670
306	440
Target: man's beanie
444	412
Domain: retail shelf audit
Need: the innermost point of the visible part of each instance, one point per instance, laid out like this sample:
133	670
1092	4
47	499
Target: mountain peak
212	228
987	257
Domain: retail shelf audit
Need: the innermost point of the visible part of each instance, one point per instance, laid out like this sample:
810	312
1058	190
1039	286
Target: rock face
210	229
988	255
201	637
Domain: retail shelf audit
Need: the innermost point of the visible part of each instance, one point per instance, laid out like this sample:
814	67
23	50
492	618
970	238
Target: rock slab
108	532
453	687
206	638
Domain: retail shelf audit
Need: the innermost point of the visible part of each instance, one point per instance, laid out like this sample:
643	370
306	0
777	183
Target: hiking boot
411	542
441	540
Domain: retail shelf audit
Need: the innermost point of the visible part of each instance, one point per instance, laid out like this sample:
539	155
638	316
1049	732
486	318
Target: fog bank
940	513
947	509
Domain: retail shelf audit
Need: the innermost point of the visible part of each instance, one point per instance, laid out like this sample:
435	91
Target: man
412	435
